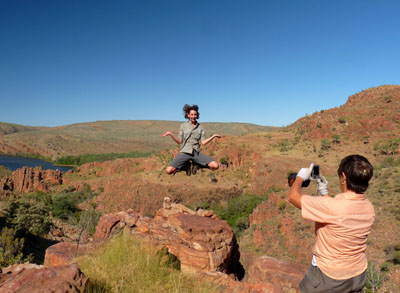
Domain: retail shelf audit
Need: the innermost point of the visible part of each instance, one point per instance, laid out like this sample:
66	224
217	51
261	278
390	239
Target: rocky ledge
203	244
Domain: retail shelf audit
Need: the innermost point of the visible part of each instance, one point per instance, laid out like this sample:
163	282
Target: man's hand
322	185
305	173
166	133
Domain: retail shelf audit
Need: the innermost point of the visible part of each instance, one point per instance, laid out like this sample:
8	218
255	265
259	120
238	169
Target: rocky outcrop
199	240
29	179
202	243
28	278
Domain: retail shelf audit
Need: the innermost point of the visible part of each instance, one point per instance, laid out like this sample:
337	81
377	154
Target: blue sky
262	62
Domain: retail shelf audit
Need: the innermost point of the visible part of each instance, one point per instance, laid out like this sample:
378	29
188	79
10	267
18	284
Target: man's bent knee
170	170
213	165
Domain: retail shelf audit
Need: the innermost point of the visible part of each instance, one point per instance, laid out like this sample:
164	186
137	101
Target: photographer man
343	223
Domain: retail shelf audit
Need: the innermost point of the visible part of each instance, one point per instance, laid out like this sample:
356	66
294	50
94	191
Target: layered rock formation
29	179
199	240
202	243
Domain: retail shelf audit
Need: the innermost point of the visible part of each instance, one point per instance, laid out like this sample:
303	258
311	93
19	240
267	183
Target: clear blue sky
262	62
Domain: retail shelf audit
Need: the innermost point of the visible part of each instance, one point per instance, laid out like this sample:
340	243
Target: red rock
105	225
29	179
29	278
63	253
284	275
200	240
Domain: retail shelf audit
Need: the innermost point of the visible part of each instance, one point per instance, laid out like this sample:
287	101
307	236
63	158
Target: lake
13	163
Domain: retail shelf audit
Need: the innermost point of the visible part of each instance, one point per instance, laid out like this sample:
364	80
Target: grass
4	172
128	265
88	158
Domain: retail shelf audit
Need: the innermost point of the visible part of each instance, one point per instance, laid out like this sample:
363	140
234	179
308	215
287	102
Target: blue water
13	163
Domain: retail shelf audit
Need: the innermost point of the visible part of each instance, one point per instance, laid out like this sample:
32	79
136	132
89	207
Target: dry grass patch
127	265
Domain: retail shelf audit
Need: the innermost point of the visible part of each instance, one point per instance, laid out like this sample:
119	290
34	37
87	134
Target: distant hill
8	128
108	136
374	112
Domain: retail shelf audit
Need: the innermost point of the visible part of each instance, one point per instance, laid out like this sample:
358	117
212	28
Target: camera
315	172
292	178
314	175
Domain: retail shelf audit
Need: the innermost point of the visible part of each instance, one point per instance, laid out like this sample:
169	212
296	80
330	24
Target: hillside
8	128
108	136
250	188
372	113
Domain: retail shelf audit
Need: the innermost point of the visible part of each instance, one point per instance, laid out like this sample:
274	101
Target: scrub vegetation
20	242
89	158
126	265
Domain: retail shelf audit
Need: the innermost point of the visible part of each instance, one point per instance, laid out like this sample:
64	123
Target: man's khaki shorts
197	157
316	281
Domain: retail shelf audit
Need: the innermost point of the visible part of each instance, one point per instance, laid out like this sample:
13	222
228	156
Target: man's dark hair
358	171
187	108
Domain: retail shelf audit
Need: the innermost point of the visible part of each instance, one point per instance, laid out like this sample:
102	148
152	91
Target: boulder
285	276
199	240
63	253
28	278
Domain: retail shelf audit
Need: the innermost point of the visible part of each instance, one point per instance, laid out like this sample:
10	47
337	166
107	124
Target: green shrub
387	147
274	188
385	267
396	257
10	248
88	220
28	217
65	203
242	224
42	197
393	253
282	205
237	211
63	206
224	161
284	145
325	144
336	138
342	120
88	158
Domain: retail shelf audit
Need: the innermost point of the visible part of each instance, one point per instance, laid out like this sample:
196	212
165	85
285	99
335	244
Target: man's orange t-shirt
342	227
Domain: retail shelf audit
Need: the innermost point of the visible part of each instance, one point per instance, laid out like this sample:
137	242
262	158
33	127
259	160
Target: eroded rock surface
285	276
29	179
203	244
200	240
64	252
29	278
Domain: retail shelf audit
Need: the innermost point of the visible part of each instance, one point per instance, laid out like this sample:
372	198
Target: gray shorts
197	157
316	281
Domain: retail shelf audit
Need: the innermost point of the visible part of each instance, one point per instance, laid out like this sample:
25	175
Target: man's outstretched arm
176	139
